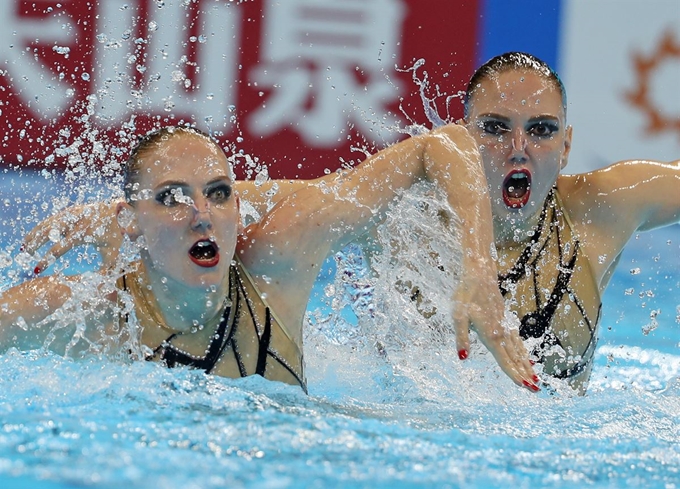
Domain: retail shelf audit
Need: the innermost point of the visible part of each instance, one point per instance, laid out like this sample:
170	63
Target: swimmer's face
518	121
186	211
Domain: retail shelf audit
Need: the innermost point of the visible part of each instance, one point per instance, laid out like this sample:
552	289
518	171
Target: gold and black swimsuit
553	290
249	340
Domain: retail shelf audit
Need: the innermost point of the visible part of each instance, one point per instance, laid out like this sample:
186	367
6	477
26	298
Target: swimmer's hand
480	306
94	224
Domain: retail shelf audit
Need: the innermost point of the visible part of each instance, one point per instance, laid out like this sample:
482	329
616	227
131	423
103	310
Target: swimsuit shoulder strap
576	238
249	278
519	269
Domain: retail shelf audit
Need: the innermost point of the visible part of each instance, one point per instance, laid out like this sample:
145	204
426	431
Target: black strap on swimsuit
220	341
536	324
264	350
172	356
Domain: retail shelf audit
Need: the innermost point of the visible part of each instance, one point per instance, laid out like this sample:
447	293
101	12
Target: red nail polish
37	270
462	354
532	362
531	386
535	378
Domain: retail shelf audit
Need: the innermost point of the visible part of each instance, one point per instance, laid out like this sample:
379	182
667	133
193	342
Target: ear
567	147
241	227
127	220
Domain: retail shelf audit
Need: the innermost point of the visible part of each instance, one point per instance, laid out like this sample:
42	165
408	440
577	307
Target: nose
519	146
202	214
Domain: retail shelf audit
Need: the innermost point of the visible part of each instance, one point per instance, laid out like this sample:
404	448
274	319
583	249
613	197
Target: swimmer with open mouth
205	253
517	188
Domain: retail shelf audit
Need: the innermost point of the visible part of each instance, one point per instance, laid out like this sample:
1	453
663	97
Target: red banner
305	86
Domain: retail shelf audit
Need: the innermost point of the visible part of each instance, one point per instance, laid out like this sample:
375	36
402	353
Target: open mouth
205	253
517	189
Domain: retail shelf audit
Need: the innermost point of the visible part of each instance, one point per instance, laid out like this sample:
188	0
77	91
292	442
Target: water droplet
61	49
54	235
5	259
21	322
168	105
23	260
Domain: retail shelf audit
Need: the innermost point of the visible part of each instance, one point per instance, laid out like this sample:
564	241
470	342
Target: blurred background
306	85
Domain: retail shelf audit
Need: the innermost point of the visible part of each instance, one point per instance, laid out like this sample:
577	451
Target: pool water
414	416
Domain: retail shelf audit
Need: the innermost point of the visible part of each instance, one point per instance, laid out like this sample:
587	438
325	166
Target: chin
205	278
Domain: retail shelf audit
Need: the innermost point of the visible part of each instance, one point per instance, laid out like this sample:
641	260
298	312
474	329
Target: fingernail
535	378
531	386
37	270
532	362
462	354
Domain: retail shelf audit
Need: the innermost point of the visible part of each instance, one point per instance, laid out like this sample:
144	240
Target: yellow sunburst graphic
667	51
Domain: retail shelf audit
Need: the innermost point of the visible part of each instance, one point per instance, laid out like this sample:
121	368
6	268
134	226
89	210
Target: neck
515	233
513	237
180	308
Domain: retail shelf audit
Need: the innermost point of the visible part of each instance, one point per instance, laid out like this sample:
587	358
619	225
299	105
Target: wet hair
146	144
513	60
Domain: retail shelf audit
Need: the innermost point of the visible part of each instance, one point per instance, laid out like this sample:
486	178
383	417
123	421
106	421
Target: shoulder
631	187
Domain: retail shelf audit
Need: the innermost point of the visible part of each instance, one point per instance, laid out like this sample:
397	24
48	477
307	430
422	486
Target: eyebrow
537	118
223	179
172	183
178	183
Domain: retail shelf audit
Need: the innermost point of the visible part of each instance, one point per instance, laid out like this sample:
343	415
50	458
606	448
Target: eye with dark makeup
543	129
218	193
169	197
493	126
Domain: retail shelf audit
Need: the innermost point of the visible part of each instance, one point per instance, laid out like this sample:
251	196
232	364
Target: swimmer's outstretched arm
27	320
613	203
290	243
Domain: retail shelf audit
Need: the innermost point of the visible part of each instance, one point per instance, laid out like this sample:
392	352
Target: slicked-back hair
147	143
510	61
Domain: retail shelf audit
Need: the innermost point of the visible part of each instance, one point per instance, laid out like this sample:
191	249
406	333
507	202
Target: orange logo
645	68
